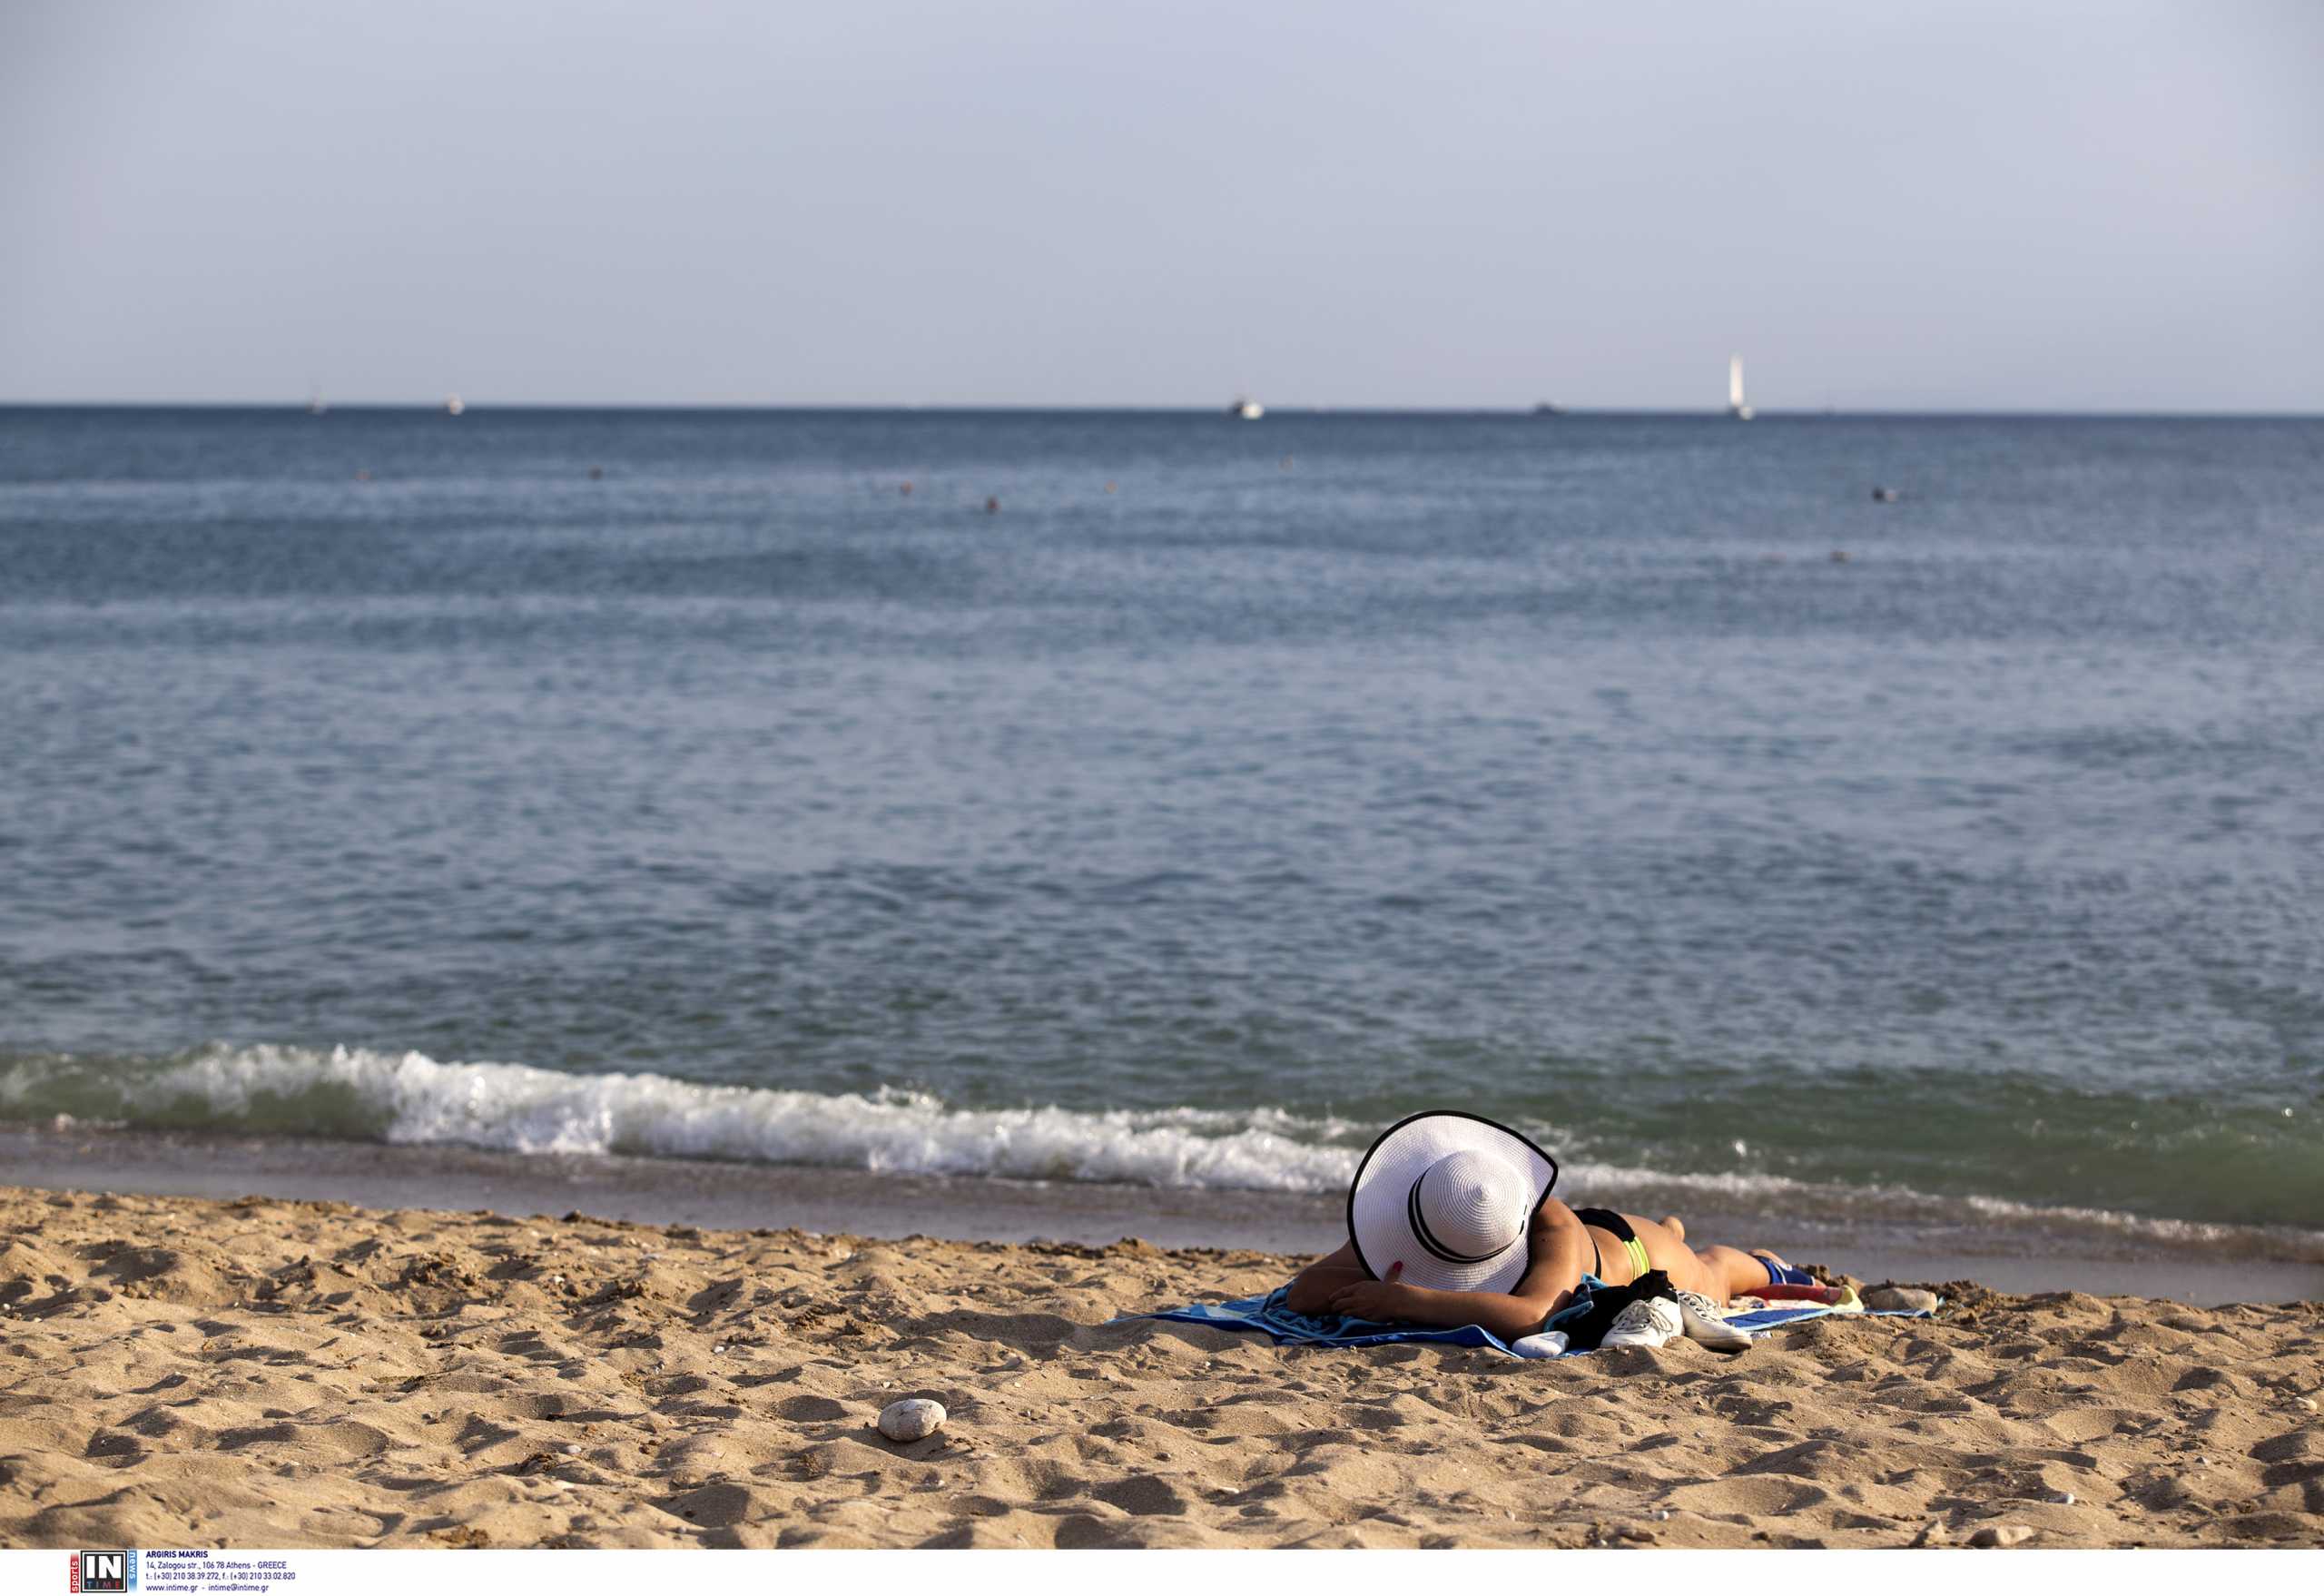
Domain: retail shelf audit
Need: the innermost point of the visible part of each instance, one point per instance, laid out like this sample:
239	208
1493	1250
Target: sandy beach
269	1373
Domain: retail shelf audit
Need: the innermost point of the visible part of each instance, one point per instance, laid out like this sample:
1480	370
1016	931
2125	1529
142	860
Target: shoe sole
1718	1338
1618	1340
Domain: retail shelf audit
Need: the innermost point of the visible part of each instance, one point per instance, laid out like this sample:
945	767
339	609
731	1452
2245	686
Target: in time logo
104	1573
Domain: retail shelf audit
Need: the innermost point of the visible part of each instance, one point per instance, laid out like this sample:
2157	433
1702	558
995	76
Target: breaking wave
410	1098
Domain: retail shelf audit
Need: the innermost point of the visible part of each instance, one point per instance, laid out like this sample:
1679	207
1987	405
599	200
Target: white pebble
911	1419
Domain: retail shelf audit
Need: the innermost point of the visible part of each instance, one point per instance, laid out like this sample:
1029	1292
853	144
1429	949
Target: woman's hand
1382	1301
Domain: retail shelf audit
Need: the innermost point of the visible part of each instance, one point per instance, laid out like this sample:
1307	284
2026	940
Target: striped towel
1268	1313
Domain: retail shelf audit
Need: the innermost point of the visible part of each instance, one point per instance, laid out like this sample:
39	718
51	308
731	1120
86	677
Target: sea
1913	823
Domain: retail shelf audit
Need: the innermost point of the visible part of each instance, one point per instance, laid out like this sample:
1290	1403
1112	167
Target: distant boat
315	406
453	405
1547	409
1246	410
1735	405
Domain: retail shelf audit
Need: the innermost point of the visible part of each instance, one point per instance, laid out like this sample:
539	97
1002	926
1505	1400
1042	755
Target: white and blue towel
1269	1314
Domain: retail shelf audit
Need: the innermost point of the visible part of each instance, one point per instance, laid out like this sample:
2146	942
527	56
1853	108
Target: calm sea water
679	782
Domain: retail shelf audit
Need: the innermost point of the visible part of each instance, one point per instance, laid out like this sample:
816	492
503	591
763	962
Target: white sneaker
1649	1322
1705	1322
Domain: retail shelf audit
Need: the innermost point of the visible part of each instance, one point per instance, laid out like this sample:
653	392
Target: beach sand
180	1370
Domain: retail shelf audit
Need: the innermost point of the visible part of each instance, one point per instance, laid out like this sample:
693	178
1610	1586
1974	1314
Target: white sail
1735	382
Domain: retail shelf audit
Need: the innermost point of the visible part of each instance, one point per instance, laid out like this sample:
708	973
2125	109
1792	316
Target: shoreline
742	1197
267	1373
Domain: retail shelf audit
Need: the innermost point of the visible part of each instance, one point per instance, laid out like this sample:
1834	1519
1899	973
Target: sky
2103	206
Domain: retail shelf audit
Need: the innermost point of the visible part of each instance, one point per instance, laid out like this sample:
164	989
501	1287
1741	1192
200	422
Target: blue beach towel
1268	1313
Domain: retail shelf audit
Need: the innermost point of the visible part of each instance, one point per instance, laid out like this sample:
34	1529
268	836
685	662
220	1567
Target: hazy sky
2115	205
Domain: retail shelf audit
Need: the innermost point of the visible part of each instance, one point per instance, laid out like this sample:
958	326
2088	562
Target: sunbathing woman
1449	1222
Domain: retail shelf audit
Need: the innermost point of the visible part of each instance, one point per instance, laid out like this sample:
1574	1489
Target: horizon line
1561	412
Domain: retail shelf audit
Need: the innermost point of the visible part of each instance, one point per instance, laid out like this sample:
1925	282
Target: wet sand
2096	1259
277	1373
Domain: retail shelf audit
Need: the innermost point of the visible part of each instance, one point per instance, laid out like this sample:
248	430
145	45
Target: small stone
2306	1405
1661	1514
2001	1535
911	1419
2064	1499
1910	1298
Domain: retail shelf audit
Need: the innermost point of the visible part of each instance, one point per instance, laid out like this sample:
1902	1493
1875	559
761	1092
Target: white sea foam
1904	1207
410	1097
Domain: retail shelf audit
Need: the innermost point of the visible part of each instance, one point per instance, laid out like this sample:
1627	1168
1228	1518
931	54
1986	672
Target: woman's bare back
1719	1273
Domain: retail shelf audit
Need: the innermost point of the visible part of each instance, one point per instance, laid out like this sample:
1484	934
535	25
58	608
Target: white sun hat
1449	1196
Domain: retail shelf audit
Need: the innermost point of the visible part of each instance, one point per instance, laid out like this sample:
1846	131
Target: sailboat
1735	405
315	405
453	404
1247	409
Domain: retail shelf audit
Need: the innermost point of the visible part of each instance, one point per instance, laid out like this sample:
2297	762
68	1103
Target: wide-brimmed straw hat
1449	1196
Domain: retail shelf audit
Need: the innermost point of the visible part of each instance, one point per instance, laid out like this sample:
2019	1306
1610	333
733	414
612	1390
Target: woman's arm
1558	1251
1504	1314
1561	1255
